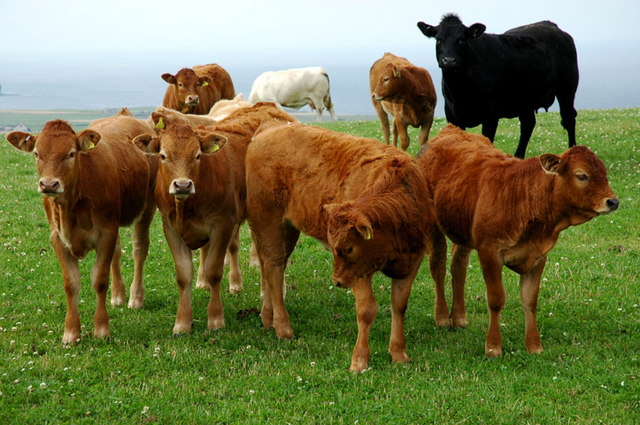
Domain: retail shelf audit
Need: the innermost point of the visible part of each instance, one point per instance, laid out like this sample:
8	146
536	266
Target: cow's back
116	173
303	168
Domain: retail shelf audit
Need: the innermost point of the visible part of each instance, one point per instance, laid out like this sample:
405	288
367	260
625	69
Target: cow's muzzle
182	188
50	186
612	204
192	100
447	62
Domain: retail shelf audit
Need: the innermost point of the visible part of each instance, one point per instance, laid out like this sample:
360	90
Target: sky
254	29
94	53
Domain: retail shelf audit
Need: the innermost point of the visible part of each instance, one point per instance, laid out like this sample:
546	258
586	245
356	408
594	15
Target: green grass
589	318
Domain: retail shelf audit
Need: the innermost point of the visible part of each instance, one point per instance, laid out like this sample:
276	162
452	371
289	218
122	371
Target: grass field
588	316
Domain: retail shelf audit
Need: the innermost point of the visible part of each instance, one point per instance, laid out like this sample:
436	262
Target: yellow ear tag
205	84
215	148
367	236
160	124
91	146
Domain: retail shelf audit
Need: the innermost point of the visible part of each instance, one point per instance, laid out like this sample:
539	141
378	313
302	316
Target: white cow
295	88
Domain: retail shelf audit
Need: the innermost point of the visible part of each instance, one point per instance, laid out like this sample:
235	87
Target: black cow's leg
527	122
489	129
568	114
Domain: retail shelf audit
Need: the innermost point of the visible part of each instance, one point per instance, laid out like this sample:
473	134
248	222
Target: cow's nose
182	187
49	186
613	204
193	99
447	62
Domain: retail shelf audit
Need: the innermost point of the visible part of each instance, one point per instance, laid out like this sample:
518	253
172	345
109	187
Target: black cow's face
452	40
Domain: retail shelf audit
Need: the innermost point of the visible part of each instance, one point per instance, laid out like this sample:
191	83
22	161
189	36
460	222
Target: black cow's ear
428	30
476	30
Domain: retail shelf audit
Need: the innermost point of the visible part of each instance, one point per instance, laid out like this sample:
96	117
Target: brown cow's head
391	85
583	183
186	83
56	150
351	238
180	150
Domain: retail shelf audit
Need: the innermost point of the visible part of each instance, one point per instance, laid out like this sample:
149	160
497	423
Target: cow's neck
179	220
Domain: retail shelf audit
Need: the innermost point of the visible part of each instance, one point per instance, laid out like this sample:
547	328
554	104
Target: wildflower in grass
43	385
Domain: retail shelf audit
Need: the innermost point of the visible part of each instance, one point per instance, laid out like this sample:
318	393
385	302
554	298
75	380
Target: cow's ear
158	119
171	79
212	142
147	143
476	30
363	227
397	71
428	30
22	141
87	140
204	81
551	163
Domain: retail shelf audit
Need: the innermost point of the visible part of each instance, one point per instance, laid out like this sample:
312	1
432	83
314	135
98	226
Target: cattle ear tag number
160	124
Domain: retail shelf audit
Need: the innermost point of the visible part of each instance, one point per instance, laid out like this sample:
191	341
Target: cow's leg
492	271
400	290
529	287
329	104
184	275
366	310
459	264
394	127
201	281
568	115
140	252
275	242
213	262
254	260
118	293
403	133
235	277
100	279
425	129
527	123
71	278
384	120
437	250
489	129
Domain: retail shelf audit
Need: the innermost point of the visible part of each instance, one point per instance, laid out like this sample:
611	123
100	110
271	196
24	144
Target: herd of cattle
209	161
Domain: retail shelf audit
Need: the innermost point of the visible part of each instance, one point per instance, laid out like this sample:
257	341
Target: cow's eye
180	85
72	154
582	177
198	156
35	153
460	42
347	251
163	156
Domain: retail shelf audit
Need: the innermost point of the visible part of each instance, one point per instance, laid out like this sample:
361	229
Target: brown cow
195	90
201	194
219	111
405	92
366	200
511	211
94	182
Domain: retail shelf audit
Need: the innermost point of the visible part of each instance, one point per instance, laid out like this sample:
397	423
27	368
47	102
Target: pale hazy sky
68	28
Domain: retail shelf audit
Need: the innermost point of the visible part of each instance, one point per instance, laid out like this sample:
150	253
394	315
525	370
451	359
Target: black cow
486	77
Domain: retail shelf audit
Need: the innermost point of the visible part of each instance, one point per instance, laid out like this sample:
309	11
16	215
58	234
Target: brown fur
366	200
210	217
405	92
206	83
94	182
512	212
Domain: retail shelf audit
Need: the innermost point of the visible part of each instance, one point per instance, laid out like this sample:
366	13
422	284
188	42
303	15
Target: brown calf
405	92
366	200
201	194
93	182
511	211
195	90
